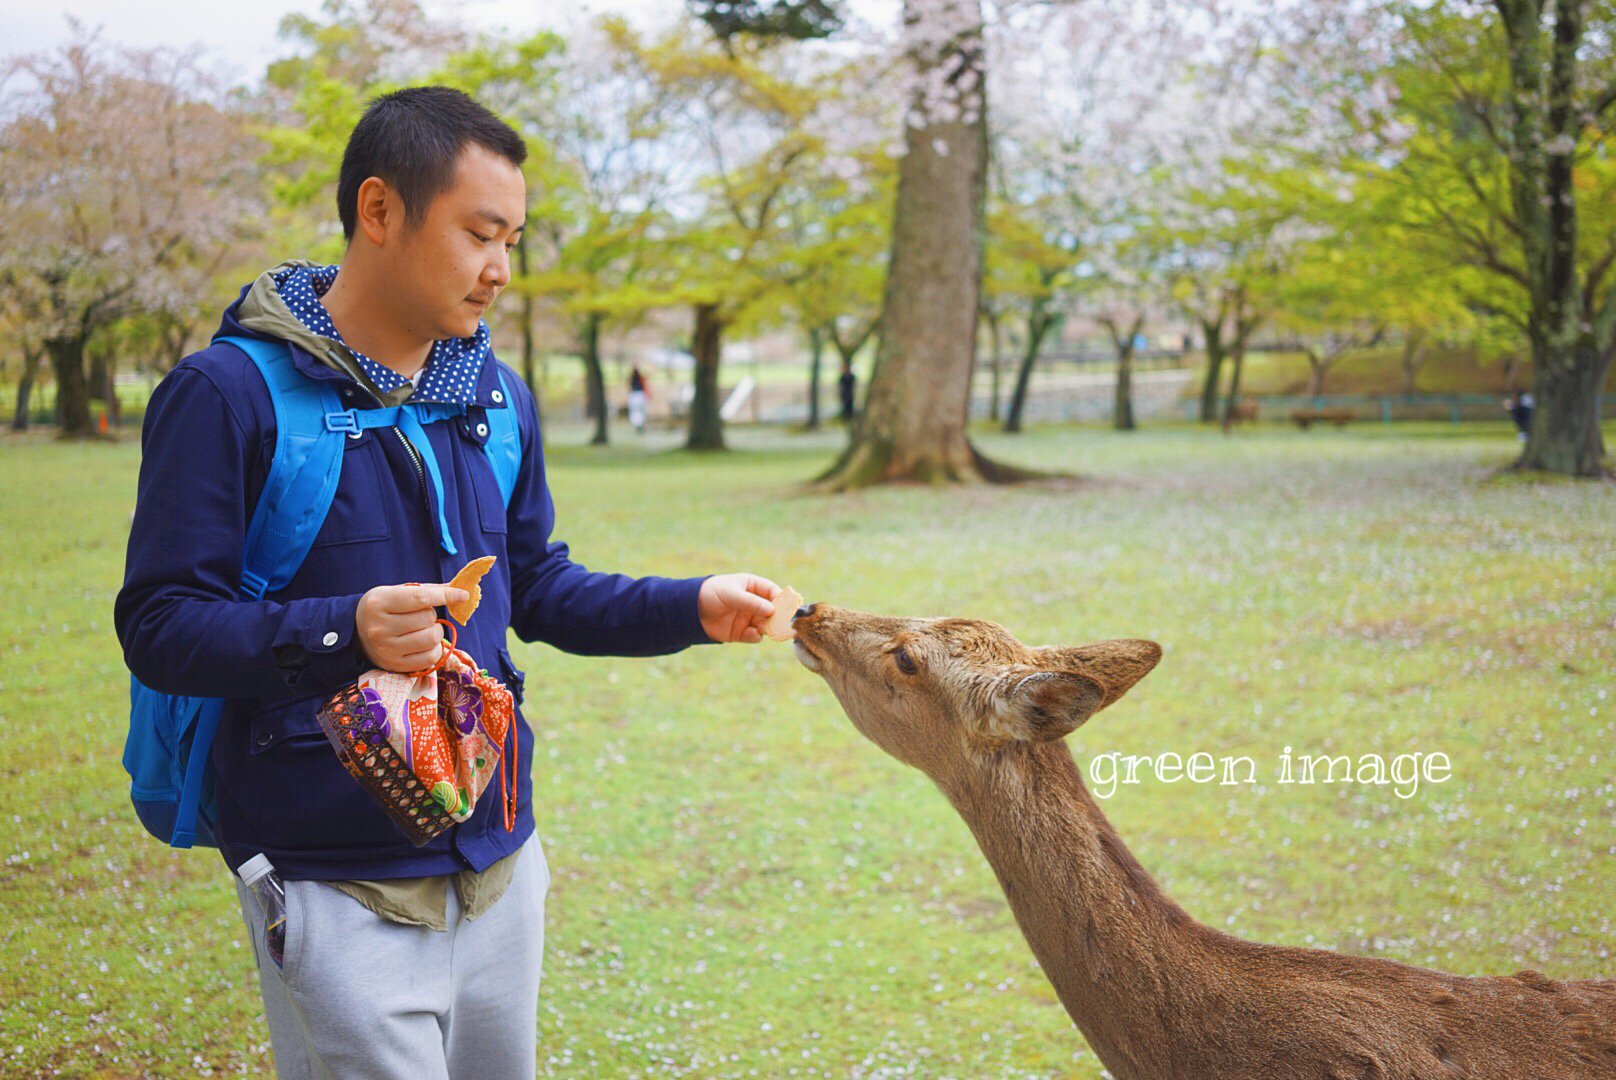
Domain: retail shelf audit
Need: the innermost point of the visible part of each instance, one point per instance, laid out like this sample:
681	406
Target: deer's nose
804	611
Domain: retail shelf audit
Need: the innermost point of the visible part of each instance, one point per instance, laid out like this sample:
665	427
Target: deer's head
940	693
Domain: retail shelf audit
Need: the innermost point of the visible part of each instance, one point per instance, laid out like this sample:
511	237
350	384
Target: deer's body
1157	995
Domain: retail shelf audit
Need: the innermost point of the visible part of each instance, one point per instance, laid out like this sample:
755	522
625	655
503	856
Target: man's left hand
734	607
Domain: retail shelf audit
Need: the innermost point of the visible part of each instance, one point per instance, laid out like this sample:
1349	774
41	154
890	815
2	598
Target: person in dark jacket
1519	407
398	961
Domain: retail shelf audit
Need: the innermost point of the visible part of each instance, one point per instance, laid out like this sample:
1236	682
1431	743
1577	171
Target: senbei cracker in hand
785	606
467	579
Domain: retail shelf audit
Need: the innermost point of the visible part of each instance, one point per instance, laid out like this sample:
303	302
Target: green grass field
745	887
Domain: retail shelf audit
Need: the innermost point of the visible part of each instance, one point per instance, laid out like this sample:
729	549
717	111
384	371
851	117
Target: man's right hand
398	625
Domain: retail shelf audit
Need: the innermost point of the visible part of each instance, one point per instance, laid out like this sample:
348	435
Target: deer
1158	995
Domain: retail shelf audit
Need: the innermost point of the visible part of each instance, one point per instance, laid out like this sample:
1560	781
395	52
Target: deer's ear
1051	704
1116	665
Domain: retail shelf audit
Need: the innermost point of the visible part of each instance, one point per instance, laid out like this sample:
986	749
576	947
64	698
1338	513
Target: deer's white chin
804	657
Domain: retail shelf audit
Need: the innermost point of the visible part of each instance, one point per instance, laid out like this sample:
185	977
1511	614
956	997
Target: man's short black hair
411	138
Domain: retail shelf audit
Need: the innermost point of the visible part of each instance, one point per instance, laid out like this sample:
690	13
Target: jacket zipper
420	475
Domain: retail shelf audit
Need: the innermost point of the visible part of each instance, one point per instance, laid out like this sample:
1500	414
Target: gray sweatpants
361	998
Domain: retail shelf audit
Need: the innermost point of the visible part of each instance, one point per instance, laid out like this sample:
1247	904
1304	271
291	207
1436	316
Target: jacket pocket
356	515
301	796
292	721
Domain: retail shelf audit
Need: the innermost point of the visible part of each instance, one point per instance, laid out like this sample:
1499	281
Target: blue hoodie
206	444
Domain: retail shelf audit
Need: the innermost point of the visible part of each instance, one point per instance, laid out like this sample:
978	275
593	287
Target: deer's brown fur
1157	995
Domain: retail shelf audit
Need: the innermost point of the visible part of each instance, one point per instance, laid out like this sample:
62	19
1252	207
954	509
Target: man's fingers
419	661
419	641
751	603
405	599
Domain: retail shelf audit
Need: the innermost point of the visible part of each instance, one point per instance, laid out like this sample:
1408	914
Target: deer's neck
1127	962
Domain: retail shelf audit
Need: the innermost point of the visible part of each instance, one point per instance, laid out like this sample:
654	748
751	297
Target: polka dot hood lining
284	302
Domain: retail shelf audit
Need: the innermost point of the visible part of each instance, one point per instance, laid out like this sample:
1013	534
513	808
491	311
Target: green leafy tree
747	114
1029	264
797	20
841	229
1219	241
351	53
1500	114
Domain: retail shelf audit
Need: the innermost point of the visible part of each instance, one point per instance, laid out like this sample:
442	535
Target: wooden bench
1306	418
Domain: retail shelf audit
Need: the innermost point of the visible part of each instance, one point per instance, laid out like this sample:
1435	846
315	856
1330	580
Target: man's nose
498	271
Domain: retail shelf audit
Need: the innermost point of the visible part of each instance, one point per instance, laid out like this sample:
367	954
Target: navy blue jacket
207	441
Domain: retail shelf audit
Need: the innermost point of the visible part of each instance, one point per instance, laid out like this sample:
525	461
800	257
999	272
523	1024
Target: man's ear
1116	665
1051	704
378	209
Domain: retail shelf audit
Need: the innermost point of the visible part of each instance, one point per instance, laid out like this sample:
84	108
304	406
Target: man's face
451	266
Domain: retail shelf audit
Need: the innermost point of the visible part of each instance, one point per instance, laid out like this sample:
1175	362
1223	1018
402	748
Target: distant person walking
1520	407
638	397
845	387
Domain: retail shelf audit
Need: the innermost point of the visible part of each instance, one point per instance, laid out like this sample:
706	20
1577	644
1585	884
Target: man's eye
481	239
905	662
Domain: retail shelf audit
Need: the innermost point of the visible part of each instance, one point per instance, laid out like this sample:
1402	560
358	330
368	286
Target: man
399	961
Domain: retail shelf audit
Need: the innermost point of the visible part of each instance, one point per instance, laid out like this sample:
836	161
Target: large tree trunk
816	350
595	377
914	421
72	390
706	427
1571	346
1565	435
31	356
1214	369
98	381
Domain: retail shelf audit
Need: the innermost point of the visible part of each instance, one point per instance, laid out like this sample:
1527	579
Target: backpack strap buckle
346	422
253	584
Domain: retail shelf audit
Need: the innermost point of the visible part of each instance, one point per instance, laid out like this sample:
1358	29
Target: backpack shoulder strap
504	445
303	473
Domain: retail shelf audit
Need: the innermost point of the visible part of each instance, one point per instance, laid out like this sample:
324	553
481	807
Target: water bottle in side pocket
259	875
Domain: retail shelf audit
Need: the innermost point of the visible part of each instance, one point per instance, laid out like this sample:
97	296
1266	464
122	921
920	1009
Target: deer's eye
905	662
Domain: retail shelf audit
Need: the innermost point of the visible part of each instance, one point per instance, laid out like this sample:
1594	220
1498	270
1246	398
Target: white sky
239	38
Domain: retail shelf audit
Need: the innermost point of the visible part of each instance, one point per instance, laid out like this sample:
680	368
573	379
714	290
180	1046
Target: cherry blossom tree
124	173
913	426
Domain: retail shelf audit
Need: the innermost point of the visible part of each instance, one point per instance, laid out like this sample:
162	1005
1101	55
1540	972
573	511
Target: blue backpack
167	753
